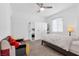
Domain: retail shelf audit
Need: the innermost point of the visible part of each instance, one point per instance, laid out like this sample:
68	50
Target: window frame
58	30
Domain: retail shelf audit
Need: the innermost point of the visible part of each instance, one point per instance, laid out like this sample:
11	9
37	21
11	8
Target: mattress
75	47
62	41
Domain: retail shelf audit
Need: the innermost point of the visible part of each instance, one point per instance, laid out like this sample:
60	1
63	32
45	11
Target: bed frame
58	49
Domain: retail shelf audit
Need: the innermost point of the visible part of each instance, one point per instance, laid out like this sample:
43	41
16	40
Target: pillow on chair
13	42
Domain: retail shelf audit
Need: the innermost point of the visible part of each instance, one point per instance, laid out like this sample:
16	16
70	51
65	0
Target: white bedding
75	47
62	41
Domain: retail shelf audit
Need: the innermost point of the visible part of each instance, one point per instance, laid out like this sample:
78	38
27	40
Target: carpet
39	50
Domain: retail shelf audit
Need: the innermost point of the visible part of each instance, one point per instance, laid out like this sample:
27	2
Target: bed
60	42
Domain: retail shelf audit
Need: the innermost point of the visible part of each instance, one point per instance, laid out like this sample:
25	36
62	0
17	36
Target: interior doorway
37	30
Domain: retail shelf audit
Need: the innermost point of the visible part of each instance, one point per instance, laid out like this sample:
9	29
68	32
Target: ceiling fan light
42	9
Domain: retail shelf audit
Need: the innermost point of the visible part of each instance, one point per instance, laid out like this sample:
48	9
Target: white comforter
75	47
62	41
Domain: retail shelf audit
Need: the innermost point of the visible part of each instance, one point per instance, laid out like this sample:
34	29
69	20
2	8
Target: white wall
14	18
5	13
25	13
70	16
20	24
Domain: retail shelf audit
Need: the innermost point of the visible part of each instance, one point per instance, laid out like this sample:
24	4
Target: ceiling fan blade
48	7
40	4
37	3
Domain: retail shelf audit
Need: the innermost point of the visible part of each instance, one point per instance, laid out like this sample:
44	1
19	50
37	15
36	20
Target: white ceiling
30	8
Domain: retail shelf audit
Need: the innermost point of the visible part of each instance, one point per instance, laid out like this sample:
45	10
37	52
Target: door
40	30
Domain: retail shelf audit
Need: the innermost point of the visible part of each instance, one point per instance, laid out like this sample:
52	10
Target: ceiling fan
43	7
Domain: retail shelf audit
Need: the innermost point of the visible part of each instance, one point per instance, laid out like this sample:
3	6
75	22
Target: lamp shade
70	28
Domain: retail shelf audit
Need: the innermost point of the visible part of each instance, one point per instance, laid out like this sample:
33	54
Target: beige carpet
39	50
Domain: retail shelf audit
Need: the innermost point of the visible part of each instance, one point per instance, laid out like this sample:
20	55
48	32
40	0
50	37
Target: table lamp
70	29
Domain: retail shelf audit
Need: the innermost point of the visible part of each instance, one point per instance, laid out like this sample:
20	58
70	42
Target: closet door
40	29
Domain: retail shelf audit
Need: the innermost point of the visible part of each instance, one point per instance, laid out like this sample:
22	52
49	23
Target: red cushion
5	52
13	42
16	44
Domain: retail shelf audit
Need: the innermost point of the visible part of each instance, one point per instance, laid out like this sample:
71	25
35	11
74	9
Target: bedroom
41	23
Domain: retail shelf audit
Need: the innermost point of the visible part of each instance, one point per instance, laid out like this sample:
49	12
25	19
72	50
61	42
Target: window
57	25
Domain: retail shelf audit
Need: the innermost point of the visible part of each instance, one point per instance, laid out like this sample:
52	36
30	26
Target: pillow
16	44
13	42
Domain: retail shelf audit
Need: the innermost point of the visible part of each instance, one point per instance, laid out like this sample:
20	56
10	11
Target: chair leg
42	42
